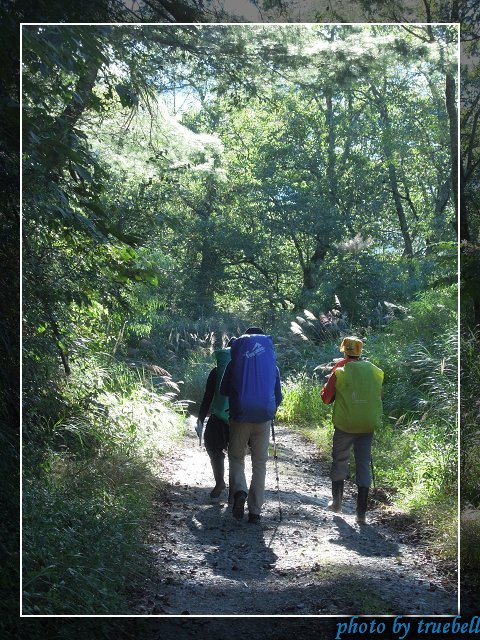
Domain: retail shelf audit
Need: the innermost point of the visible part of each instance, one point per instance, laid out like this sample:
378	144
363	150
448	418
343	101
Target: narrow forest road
312	562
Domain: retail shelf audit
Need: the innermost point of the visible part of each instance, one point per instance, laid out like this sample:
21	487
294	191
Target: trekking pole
373	472
275	458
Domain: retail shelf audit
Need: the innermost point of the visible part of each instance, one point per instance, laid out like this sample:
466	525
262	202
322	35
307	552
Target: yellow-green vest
358	397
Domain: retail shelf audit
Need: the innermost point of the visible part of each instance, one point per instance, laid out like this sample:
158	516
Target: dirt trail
312	562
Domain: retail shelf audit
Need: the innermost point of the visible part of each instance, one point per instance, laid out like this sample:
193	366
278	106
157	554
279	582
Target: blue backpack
253	375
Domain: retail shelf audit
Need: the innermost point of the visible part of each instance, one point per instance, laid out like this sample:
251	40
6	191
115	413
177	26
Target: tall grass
83	526
470	458
415	450
196	368
301	403
89	479
470	435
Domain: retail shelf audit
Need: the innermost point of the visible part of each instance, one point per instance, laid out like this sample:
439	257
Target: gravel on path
310	563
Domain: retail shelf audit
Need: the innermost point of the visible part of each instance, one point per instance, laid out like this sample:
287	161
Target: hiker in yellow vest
355	388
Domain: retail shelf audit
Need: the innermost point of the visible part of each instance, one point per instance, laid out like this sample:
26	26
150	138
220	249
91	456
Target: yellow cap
351	346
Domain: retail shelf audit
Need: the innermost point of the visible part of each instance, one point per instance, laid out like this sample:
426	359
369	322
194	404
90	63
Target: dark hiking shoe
335	504
217	490
362	499
239	504
254	517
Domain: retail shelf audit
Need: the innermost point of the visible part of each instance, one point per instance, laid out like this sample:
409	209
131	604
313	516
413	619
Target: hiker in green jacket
355	388
216	431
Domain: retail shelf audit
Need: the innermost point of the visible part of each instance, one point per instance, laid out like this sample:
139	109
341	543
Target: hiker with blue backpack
216	431
355	388
252	383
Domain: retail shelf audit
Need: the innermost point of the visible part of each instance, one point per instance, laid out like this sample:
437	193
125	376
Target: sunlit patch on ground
310	562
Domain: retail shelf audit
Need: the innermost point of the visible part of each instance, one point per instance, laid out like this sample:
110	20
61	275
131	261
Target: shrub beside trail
88	487
415	451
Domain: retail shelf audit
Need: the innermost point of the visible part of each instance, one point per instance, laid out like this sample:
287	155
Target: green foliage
187	347
417	446
182	183
295	355
90	474
301	404
237	205
470	545
9	541
302	409
82	534
197	368
418	464
470	276
419	356
470	436
415	450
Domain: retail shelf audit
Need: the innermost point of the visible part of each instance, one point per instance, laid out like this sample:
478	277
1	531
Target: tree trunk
331	176
402	219
464	225
84	88
309	282
450	102
74	109
204	289
387	137
58	338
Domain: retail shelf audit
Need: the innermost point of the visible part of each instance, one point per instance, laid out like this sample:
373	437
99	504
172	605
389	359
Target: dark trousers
362	449
216	443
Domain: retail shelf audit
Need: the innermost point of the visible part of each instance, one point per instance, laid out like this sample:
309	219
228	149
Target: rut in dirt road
312	562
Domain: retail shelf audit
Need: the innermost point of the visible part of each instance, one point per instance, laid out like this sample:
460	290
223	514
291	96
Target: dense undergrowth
415	451
89	478
148	224
470	461
93	445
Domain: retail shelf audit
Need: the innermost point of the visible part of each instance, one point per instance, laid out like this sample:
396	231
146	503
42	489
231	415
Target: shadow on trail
292	459
233	549
364	540
295	503
311	562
